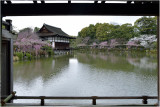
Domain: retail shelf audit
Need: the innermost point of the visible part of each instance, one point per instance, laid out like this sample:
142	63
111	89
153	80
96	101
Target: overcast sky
69	24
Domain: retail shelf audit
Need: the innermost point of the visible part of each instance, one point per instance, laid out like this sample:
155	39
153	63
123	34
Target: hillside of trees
104	31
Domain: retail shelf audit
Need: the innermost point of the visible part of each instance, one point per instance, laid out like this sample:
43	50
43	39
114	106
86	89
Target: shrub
29	56
49	50
20	55
154	44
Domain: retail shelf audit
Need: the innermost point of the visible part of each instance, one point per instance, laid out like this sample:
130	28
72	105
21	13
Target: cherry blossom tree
28	41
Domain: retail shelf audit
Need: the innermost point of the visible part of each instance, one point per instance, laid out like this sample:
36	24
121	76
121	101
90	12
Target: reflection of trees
105	61
122	61
144	63
44	68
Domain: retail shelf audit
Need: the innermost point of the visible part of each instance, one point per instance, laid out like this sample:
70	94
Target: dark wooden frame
137	9
80	9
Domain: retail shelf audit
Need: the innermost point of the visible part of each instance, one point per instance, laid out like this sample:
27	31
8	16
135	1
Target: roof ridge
51	26
57	30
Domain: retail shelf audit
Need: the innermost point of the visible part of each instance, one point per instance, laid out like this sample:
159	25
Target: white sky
69	24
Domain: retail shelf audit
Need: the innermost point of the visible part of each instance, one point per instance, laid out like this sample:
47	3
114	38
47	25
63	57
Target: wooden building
58	38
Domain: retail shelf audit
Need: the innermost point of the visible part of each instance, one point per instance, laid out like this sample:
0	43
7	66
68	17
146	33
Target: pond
88	74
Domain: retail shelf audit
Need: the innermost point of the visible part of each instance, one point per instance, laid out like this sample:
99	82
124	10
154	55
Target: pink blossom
113	43
28	41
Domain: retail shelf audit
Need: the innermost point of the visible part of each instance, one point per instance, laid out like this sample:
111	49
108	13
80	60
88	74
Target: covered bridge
58	38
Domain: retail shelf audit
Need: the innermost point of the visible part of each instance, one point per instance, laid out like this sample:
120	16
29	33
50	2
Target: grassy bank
21	56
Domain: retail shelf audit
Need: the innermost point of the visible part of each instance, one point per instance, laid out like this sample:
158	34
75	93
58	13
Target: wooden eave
138	8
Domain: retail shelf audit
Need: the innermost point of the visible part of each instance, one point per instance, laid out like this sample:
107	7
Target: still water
88	74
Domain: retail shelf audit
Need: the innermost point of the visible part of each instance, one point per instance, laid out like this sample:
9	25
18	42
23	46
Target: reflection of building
58	38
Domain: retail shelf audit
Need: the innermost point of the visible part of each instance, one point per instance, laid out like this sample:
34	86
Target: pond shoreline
29	57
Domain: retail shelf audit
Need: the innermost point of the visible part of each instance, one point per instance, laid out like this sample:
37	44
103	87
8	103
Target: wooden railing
93	98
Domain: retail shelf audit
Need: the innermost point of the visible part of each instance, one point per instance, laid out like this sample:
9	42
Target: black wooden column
6	59
0	41
158	50
6	67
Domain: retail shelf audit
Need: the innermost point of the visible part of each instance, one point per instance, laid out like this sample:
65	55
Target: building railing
93	98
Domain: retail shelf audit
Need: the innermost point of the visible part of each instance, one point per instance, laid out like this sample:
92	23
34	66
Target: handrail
93	98
3	102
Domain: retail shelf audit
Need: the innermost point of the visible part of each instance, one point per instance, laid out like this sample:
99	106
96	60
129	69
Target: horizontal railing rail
93	98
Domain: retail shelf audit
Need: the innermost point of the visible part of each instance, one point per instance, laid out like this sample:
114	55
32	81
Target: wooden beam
69	1
35	2
42	2
80	9
8	2
158	55
2	2
103	2
95	1
129	2
0	47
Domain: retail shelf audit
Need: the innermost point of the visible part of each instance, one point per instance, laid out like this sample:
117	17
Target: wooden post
144	101
9	28
158	52
94	100
6	63
7	67
0	43
42	100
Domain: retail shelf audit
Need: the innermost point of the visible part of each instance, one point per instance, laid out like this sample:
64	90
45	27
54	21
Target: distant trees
147	41
146	25
88	31
106	31
103	31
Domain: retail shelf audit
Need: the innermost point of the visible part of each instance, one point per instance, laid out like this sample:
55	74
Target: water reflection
88	74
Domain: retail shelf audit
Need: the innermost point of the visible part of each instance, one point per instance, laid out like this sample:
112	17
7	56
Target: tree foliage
36	29
146	25
106	31
28	41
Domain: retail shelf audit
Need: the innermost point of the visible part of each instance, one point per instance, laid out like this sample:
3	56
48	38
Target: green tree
84	32
36	29
146	25
125	31
26	29
91	32
103	32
